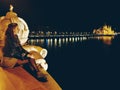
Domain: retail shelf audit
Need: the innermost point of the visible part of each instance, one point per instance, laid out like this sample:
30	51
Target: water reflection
55	42
105	39
59	42
48	42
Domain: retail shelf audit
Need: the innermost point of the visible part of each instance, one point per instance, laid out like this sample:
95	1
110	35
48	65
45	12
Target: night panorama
80	39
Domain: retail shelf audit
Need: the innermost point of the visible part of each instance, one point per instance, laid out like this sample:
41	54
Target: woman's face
16	30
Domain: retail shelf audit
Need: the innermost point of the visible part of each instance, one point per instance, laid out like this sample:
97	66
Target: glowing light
11	8
59	41
105	30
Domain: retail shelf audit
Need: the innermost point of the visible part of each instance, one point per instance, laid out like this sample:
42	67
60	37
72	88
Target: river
83	63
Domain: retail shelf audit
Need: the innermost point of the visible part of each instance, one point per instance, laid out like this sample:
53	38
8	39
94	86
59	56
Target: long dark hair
9	31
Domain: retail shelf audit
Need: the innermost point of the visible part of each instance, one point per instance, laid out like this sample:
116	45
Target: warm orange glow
105	30
106	39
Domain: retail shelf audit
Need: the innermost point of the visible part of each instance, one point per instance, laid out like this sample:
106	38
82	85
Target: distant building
105	30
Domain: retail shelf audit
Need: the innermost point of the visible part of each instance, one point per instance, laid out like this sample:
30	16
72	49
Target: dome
11	17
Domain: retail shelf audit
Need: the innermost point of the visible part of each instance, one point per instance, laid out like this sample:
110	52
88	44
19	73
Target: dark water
83	63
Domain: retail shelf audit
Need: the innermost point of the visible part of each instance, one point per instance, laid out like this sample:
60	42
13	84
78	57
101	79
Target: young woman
14	49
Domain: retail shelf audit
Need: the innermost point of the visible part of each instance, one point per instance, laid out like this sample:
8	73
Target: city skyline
65	15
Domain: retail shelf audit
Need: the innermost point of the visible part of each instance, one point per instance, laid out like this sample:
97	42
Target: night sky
66	15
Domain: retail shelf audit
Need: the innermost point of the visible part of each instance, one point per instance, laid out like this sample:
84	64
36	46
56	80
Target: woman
14	49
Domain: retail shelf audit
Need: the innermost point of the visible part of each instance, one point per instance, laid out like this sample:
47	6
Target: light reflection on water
55	42
59	42
105	39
